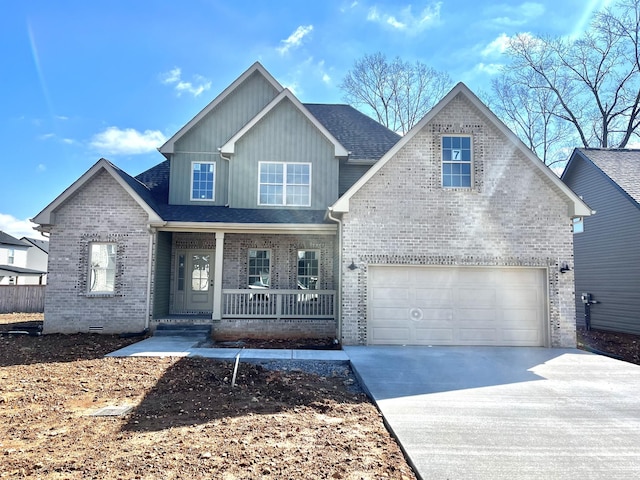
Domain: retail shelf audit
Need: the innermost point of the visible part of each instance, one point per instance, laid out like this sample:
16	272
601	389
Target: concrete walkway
186	346
483	412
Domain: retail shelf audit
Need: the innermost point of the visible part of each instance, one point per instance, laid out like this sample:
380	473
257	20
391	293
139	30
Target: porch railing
268	303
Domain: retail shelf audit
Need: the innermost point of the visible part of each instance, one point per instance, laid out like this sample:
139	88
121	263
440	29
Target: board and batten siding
162	275
283	135
607	253
201	142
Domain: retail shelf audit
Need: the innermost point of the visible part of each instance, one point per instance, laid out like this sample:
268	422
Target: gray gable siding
201	143
607	253
283	135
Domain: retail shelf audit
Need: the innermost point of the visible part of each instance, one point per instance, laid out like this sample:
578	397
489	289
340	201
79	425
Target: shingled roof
6	239
620	165
365	138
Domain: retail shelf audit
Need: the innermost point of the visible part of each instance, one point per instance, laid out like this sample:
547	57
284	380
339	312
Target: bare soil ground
187	422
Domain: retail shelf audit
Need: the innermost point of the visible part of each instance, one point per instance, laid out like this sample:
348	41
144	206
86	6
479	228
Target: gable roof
229	147
6	239
41	244
621	166
364	138
168	146
577	208
138	191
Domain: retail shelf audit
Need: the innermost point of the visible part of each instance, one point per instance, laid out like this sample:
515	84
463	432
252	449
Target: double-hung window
259	268
286	184
308	269
456	161
11	256
203	181
102	267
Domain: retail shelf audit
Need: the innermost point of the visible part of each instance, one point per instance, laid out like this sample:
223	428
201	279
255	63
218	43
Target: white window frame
444	162
577	225
109	269
11	256
310	277
284	184
213	192
262	275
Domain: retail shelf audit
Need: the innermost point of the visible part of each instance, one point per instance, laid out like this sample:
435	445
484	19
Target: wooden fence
22	298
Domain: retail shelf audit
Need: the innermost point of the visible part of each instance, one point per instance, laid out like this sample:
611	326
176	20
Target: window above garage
456	161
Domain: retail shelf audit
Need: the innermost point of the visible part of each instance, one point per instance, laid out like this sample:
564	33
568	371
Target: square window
284	184
456	161
203	179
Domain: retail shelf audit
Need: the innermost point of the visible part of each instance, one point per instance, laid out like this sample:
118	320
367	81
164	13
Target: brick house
270	217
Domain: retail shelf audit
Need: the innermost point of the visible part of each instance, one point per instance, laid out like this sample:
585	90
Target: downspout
228	159
339	299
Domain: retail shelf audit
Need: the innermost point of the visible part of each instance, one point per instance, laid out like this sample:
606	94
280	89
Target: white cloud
195	88
128	141
405	19
295	39
17	228
518	15
497	46
490	68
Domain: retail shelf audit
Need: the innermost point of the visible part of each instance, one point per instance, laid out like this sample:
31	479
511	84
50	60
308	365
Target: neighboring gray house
18	265
607	250
37	255
271	217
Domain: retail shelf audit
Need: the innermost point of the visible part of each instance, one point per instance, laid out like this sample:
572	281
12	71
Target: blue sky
84	79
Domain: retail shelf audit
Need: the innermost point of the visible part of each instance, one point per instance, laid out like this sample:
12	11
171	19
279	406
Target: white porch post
217	277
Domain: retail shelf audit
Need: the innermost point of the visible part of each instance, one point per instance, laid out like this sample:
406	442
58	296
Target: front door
194	282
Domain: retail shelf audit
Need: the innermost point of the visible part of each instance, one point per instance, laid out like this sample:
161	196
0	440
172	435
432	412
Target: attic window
456	162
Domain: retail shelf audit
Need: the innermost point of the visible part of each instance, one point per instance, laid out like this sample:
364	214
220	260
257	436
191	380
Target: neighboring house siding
212	131
607	253
100	211
284	135
36	260
511	217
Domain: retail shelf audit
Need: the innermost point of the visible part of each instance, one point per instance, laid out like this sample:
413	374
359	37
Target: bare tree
531	113
592	82
398	94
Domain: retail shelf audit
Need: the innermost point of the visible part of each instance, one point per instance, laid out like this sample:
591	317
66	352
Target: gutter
339	296
152	233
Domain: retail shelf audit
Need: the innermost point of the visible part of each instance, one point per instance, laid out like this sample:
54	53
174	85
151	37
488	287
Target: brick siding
100	211
510	217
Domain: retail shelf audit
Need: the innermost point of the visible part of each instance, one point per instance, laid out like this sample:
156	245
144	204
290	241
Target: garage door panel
456	305
398	335
434	336
432	297
477	297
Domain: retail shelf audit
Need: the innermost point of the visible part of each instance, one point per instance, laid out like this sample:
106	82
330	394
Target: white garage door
456	306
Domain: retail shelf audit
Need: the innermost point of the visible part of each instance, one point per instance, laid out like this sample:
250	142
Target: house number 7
455	154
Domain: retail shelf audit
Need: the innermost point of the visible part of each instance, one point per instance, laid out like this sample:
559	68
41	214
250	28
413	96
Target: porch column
217	277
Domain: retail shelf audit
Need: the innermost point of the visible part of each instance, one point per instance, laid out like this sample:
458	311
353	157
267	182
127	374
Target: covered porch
247	284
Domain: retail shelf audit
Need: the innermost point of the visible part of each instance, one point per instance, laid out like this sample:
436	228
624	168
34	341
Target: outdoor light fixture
564	268
353	266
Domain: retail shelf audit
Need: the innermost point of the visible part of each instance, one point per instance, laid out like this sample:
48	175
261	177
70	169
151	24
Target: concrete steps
182	330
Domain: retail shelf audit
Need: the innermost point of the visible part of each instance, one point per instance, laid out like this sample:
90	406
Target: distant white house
24	261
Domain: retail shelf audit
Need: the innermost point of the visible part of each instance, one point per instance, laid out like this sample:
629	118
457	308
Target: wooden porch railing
268	303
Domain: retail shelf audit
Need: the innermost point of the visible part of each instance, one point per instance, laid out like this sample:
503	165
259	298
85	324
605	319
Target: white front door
194	282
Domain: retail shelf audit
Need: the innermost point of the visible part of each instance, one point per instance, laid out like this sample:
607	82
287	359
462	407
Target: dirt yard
187	422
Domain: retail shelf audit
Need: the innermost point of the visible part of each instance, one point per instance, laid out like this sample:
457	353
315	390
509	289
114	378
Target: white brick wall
511	216
100	211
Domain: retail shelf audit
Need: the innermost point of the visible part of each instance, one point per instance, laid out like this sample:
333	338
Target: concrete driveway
507	413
